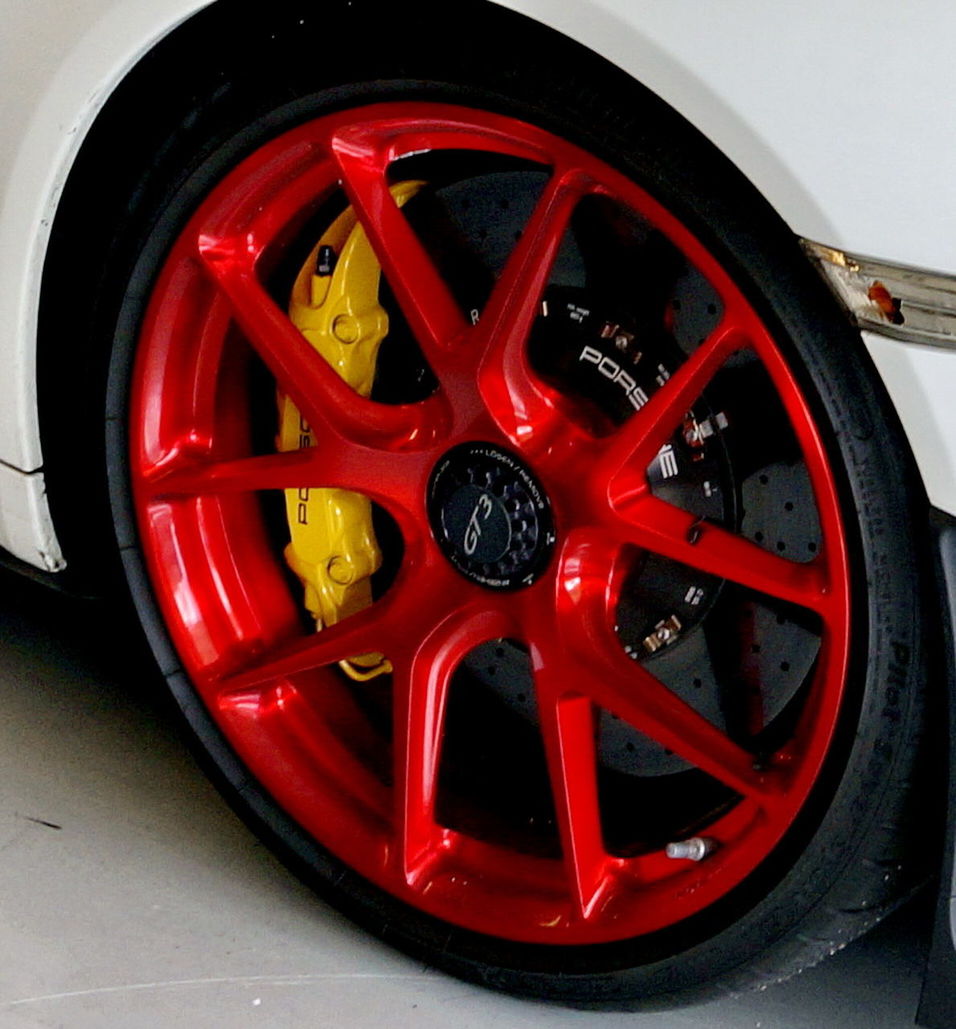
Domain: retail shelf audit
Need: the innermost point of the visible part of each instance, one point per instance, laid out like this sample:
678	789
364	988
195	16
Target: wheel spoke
635	445
179	477
394	480
276	190
801	418
662	528
613	681
362	633
421	696
425	300
519	404
423	675
628	690
567	726
322	396
208	361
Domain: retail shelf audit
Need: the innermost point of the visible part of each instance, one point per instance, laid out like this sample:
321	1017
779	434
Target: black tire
853	849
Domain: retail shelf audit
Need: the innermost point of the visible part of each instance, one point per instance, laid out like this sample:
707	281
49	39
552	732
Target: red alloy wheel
630	577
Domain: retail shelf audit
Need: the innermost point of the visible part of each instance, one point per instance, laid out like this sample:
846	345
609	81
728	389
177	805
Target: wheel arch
203	58
73	321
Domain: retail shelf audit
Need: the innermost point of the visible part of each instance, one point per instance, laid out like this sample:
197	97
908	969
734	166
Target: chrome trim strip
894	300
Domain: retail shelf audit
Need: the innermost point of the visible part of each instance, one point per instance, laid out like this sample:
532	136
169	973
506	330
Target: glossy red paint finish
272	687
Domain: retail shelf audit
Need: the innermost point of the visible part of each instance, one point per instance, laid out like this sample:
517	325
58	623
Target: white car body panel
921	382
25	527
812	101
50	93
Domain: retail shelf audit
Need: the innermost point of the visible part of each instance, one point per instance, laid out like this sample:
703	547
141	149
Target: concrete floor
130	895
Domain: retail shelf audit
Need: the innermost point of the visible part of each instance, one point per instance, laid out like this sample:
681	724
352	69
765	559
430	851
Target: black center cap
490	516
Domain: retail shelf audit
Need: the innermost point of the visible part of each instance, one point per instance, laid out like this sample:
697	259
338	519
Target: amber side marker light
894	300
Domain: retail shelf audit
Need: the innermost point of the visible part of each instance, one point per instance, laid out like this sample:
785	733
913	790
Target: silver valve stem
694	849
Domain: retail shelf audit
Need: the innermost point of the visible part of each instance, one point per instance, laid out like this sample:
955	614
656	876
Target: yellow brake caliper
335	305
